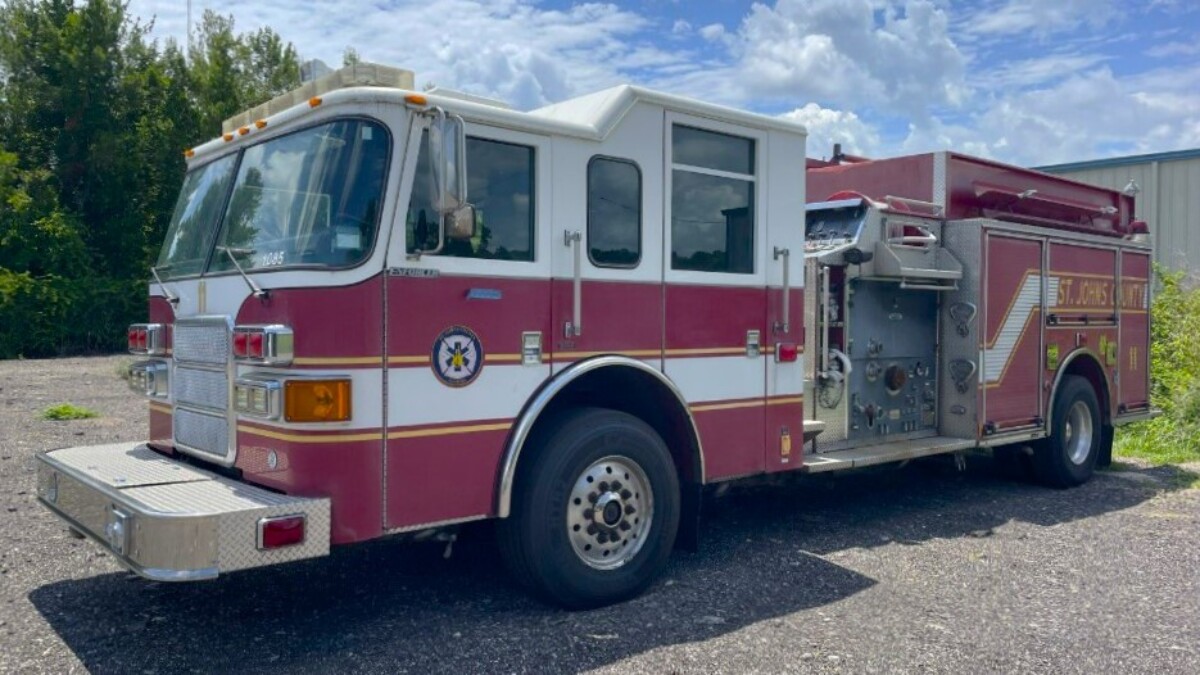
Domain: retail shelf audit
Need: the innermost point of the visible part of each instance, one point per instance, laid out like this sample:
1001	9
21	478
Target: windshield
190	234
309	198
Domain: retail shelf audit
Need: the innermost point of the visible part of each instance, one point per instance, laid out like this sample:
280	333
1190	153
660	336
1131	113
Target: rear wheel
595	511
1067	457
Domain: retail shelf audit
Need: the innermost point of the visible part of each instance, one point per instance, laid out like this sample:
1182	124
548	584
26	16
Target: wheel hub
1077	435
609	512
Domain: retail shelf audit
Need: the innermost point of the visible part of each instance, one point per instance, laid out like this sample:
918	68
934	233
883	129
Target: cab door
466	327
714	270
607	251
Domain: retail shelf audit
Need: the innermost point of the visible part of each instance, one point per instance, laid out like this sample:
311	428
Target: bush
55	316
1173	437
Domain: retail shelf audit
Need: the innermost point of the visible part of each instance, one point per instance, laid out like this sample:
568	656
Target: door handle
785	325
574	327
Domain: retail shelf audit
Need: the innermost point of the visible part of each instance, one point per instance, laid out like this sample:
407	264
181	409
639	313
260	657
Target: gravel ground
916	569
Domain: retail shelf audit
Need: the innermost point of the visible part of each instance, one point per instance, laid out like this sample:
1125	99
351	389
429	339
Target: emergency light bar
354	75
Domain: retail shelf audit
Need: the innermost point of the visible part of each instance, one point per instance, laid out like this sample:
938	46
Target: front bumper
170	521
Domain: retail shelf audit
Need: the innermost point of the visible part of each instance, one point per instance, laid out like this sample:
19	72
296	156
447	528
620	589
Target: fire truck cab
382	312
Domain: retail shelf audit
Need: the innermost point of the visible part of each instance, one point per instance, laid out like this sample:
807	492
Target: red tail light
240	338
280	532
269	345
254	345
787	352
147	338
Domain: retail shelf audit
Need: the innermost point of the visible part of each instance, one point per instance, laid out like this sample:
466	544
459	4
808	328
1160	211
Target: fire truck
379	311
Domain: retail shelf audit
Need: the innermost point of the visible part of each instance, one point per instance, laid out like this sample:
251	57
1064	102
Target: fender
1062	369
538	403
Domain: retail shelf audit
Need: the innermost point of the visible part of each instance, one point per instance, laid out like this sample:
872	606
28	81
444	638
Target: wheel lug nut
616	485
626	494
587	514
625	525
592	497
629	510
604	486
591	529
602	538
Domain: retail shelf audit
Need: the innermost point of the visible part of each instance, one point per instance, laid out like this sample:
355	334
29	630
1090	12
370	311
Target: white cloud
713	31
1033	81
826	127
1039	17
852	52
517	50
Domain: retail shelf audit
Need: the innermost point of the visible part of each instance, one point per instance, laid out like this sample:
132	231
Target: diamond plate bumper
170	521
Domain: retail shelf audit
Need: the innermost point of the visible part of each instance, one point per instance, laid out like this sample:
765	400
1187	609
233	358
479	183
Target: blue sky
1026	81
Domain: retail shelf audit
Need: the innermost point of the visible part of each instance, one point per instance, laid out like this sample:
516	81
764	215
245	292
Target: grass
68	411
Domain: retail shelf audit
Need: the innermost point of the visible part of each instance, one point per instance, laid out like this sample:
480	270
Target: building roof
1121	161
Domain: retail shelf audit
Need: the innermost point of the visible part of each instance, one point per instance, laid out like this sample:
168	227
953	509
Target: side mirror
448	155
460	223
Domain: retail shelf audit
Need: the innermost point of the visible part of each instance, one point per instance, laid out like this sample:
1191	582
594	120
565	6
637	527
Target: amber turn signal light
316	400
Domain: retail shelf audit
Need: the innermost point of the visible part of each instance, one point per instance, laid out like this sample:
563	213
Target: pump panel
893	381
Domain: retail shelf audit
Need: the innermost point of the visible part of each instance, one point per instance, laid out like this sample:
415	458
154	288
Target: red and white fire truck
379	311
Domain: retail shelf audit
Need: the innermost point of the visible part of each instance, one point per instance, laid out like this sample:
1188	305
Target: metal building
1169	199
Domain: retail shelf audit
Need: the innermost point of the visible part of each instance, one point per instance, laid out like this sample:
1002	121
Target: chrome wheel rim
1078	434
609	512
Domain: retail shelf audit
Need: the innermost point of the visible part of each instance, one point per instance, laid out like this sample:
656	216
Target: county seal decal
457	356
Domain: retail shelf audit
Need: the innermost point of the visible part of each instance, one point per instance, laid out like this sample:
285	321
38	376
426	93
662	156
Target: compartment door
1012	349
1134	342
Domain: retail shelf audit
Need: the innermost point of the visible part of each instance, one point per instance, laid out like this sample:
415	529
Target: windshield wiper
233	252
172	299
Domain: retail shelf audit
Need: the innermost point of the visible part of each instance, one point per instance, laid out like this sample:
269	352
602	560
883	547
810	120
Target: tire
574	544
1068	456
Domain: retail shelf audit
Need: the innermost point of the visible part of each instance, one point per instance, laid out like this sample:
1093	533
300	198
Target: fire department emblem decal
457	356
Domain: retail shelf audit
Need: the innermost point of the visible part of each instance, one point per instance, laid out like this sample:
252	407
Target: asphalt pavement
921	568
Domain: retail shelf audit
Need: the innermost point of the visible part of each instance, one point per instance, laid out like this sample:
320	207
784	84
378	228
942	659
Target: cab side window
712	201
614	218
500	180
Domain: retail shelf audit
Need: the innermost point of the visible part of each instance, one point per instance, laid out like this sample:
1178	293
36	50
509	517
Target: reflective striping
633	353
1028	298
751	403
338	360
311	438
446	431
728	406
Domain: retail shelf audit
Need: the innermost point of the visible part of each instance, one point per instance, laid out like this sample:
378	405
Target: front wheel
1067	457
595	512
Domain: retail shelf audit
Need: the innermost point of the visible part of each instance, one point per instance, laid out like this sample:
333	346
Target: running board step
892	451
812	429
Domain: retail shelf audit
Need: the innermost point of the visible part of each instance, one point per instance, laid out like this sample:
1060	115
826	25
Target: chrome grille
200	386
205	388
201	341
201	431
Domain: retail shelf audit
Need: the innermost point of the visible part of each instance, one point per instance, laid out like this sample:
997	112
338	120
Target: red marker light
143	339
254	345
239	343
132	337
786	352
280	532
